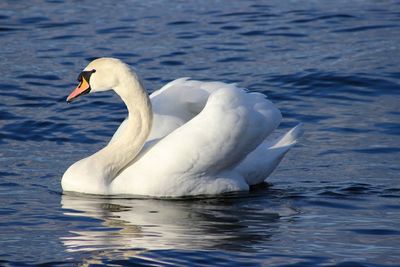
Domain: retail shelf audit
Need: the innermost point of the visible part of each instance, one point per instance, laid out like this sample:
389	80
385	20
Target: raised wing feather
209	146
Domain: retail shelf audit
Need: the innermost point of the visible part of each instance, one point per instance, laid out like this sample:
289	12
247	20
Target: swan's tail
291	137
262	161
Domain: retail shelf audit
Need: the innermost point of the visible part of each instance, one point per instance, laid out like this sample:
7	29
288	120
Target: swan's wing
261	162
231	125
183	97
176	103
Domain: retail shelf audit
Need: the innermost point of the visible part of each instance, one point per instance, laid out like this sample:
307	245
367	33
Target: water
334	65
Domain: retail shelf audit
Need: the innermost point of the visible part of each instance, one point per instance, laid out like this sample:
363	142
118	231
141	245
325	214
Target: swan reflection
149	224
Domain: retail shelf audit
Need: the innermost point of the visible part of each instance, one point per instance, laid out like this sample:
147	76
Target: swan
188	138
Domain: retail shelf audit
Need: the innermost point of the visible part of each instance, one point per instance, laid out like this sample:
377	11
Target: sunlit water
334	65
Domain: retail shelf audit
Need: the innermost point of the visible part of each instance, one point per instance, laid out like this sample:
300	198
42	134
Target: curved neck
121	151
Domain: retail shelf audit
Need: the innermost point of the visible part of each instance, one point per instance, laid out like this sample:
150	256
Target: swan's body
189	138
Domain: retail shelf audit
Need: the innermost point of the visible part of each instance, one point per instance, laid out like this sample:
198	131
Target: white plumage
202	138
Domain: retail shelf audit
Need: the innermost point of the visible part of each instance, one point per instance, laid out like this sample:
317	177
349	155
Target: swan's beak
82	89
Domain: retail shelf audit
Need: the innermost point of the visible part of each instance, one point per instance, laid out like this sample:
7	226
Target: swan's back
199	157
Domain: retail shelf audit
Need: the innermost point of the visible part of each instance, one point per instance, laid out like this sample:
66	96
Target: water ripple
365	28
331	64
325	17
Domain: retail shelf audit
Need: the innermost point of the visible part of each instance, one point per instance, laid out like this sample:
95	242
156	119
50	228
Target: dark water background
334	65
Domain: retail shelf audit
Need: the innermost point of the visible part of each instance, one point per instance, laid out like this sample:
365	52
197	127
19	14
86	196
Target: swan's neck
120	152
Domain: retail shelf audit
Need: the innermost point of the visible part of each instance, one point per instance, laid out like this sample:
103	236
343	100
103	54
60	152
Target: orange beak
82	89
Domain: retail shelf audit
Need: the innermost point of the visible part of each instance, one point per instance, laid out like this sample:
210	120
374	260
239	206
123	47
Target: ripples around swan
334	200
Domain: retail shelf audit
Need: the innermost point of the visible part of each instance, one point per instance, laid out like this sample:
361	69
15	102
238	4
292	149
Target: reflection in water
128	226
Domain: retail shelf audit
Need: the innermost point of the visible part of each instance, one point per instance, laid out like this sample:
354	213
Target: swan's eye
85	74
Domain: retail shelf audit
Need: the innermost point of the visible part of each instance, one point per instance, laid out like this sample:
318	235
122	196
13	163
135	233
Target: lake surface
333	65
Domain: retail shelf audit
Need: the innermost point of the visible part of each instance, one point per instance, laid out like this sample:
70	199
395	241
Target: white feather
205	138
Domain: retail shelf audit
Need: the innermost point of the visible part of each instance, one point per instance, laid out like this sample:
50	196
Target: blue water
334	65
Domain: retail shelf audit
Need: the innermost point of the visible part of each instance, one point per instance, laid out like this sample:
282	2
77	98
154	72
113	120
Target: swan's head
101	74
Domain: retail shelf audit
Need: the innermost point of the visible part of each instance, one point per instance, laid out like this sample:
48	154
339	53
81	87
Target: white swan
188	138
